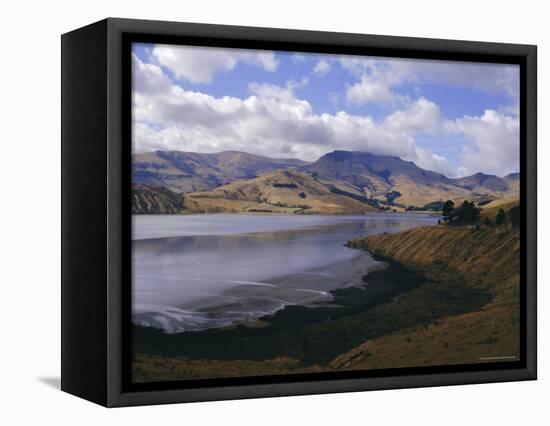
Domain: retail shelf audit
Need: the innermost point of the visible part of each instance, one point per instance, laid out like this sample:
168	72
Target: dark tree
391	196
467	212
513	216
488	221
448	211
500	217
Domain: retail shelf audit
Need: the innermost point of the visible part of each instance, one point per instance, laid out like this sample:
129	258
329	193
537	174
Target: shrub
514	216
285	185
392	196
448	211
500	217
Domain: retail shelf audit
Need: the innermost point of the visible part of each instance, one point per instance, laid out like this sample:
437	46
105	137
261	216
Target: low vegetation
485	259
153	200
450	294
466	213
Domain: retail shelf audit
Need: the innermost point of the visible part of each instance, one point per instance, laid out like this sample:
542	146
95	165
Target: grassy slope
416	194
466	311
153	200
283	191
489	258
491	209
151	367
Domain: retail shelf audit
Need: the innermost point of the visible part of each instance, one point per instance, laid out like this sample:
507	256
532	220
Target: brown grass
147	368
491	209
485	257
302	194
489	257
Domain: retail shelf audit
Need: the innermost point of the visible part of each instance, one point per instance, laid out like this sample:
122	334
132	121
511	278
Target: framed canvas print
253	212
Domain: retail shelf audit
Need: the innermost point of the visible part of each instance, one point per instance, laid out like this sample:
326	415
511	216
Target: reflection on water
215	270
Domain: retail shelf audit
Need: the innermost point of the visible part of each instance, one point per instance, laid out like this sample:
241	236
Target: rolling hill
282	191
206	181
393	180
491	209
484	259
183	172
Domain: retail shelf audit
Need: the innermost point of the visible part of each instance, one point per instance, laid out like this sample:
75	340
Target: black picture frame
96	226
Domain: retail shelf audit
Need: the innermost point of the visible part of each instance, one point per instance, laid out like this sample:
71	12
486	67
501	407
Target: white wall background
30	212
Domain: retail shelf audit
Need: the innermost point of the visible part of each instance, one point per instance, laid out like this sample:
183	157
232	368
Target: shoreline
404	315
273	213
378	286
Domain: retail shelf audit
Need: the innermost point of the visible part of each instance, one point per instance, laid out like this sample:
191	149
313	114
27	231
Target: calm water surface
204	271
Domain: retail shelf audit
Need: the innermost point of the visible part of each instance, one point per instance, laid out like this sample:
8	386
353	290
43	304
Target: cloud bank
379	78
201	64
274	121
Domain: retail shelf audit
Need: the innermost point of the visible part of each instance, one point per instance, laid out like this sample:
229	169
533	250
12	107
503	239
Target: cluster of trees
502	218
391	197
285	185
365	200
466	213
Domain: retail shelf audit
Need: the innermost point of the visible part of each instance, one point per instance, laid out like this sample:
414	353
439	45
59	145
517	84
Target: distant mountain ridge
352	166
361	176
189	172
378	176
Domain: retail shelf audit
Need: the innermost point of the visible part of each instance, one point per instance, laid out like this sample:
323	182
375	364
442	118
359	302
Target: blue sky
451	117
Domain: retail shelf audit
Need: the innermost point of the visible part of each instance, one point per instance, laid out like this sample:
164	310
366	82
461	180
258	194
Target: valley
340	182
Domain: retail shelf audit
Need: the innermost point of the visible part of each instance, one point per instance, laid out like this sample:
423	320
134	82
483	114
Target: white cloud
371	90
378	78
274	121
272	91
148	78
322	68
421	116
493	146
201	64
434	162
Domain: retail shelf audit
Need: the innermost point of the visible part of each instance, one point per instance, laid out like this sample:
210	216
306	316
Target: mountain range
338	182
183	172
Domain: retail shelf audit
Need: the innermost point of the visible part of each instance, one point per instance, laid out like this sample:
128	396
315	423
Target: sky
455	118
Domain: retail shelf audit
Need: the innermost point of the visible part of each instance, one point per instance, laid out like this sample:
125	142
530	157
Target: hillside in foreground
486	258
155	200
450	295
